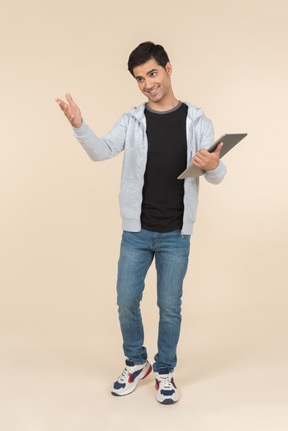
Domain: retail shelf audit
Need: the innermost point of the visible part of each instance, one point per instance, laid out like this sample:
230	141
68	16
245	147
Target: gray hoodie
129	134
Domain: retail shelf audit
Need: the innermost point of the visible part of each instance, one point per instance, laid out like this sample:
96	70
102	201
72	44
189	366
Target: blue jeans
171	251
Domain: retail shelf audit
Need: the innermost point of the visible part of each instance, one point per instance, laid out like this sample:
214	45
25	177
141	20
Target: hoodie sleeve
216	175
108	146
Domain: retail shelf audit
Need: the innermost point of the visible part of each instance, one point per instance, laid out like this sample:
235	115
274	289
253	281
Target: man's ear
168	68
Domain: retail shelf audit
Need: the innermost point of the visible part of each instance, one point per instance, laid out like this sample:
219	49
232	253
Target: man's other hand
71	110
207	161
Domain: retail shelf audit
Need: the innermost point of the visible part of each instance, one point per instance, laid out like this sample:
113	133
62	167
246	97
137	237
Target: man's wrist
77	124
213	169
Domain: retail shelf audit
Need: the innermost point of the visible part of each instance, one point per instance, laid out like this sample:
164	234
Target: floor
231	375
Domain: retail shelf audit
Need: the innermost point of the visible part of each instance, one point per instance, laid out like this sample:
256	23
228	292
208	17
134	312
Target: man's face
153	80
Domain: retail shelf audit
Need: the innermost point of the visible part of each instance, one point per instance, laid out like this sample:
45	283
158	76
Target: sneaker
128	380
166	388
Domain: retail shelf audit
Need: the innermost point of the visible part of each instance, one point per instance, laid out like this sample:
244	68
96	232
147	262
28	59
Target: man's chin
154	99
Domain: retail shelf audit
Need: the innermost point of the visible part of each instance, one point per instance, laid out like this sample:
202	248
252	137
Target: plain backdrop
60	343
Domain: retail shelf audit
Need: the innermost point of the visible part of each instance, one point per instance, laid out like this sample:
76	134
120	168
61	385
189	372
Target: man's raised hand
71	110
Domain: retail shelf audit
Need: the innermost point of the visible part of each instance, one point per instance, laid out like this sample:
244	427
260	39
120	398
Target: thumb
218	148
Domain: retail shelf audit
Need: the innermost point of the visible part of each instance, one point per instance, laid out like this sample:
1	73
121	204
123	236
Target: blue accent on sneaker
118	385
134	375
166	393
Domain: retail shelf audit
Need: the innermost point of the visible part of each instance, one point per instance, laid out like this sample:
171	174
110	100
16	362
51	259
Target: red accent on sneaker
148	372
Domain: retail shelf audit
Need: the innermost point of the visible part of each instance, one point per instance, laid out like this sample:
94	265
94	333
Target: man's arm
97	148
214	168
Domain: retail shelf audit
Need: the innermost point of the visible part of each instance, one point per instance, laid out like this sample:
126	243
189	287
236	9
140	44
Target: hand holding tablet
229	141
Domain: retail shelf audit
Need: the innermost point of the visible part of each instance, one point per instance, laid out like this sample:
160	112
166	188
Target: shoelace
166	381
125	373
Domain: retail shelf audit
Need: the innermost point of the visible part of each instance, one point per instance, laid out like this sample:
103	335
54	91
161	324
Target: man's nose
148	83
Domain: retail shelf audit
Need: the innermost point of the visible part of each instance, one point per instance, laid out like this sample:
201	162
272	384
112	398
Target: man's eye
153	74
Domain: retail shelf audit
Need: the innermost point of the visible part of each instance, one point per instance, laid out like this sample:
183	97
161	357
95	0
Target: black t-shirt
162	205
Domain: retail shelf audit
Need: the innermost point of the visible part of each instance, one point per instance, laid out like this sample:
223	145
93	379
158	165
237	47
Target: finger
199	155
196	161
203	152
69	99
61	104
218	148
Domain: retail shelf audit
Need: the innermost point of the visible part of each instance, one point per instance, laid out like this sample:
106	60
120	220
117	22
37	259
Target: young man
160	139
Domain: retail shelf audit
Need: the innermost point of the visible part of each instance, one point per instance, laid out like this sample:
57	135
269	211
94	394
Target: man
160	139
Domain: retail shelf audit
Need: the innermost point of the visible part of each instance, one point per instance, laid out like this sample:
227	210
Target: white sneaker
128	380
166	389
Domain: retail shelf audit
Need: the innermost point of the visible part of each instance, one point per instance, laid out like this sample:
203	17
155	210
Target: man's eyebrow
148	73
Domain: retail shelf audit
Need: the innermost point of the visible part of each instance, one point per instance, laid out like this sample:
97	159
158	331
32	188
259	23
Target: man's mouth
153	91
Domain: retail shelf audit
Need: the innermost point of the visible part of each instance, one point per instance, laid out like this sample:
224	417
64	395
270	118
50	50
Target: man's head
144	52
150	66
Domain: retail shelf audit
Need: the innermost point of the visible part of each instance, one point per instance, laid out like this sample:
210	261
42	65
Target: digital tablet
229	141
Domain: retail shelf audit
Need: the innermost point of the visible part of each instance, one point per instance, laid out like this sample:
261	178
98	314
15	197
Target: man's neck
163	105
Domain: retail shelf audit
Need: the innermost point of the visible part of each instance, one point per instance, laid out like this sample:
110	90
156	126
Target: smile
153	91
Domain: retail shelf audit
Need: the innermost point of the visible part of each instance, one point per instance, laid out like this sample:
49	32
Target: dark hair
144	52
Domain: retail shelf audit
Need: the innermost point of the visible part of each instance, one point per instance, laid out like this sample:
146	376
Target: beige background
60	223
